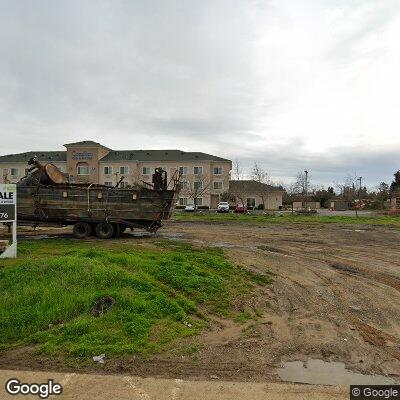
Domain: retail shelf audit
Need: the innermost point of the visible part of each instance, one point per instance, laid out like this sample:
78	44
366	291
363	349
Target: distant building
311	205
89	161
253	194
337	204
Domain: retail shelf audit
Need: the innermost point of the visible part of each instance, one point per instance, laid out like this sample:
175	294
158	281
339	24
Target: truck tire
104	230
117	231
82	230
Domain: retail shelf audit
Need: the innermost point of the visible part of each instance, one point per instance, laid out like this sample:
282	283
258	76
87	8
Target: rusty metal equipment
46	196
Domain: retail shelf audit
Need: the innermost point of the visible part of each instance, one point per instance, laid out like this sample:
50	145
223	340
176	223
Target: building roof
115	155
250	186
49	156
159	155
85	143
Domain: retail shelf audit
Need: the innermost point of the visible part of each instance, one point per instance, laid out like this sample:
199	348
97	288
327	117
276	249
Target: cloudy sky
293	85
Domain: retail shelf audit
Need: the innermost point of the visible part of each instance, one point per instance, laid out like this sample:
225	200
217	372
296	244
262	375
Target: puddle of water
319	372
225	245
171	235
40	237
139	233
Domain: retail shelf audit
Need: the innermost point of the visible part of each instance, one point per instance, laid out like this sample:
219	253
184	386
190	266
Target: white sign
8	213
8	202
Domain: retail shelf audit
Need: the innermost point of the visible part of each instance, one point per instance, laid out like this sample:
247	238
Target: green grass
47	293
288	219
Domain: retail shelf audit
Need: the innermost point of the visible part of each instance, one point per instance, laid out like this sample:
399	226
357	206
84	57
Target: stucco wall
272	200
88	155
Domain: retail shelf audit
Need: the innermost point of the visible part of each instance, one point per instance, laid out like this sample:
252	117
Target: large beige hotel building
204	175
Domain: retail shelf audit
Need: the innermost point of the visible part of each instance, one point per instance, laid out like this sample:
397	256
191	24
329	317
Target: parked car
240	209
223	207
190	208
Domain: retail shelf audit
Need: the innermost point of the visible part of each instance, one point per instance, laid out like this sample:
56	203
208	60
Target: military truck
46	196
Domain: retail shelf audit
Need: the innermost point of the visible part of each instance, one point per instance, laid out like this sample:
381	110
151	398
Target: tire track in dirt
370	334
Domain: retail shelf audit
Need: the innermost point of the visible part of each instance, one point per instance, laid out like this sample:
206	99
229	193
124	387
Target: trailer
45	196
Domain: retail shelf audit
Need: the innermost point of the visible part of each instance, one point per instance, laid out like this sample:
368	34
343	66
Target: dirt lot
335	296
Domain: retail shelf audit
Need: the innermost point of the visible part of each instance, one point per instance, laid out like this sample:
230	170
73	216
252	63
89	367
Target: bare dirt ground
335	296
125	387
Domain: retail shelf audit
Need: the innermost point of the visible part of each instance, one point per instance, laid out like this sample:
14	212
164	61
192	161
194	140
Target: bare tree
197	185
348	191
259	174
383	193
299	186
5	176
228	197
237	171
239	194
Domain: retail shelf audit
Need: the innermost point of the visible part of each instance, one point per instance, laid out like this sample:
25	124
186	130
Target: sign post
8	214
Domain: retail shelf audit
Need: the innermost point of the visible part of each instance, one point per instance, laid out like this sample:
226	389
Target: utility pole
356	205
306	189
359	190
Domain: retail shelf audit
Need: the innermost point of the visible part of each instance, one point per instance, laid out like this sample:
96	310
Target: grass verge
47	293
288	219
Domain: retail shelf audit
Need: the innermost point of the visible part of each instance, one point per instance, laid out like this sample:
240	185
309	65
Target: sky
289	84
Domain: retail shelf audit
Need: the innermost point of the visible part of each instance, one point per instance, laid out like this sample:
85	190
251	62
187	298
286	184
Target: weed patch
48	293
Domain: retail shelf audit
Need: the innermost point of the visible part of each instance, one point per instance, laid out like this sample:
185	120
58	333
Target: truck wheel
104	230
82	230
117	231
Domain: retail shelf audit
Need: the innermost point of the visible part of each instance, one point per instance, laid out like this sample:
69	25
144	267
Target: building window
251	202
124	170
108	183
82	169
217	170
183	170
218	185
199	201
107	170
185	185
198	170
123	185
183	201
197	185
14	171
146	171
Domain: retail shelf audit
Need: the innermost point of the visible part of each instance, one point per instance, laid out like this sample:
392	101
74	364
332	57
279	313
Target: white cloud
291	84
